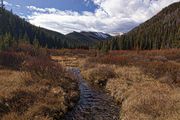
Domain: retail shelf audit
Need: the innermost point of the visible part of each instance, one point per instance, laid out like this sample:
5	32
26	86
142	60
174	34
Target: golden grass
145	83
99	75
126	78
15	116
9	81
151	101
142	97
23	97
66	61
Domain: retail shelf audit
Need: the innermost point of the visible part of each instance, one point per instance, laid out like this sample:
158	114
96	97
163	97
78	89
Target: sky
108	16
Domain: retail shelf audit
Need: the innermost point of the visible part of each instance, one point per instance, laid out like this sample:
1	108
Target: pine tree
36	43
6	41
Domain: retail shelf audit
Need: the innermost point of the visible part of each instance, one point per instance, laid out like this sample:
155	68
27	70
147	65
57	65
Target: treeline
14	30
161	31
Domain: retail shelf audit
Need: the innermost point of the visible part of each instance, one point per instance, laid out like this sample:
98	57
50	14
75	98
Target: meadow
144	83
34	87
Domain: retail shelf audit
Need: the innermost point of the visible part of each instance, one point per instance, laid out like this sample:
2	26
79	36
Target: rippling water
94	103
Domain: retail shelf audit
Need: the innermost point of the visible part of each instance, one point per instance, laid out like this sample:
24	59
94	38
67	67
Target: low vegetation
12	59
99	74
144	83
34	87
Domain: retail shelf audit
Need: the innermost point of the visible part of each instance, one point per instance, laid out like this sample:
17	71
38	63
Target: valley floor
144	84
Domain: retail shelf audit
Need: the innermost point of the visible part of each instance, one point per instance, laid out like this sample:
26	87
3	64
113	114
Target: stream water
94	103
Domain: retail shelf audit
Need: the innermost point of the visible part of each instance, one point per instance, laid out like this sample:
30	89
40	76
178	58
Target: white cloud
7	3
18	6
112	16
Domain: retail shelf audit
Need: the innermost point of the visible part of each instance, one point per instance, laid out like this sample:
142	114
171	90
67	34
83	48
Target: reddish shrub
12	59
31	50
170	54
44	68
71	52
108	59
160	69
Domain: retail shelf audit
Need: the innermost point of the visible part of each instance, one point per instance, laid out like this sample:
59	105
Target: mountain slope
17	29
97	35
89	37
161	31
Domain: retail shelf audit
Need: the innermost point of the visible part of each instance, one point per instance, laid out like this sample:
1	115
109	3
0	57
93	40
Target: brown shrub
124	58
21	101
15	116
81	53
99	75
39	99
170	54
109	59
12	59
44	89
44	68
4	108
161	69
30	50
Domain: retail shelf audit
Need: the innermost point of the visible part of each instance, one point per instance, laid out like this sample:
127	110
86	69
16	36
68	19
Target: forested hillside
161	31
13	30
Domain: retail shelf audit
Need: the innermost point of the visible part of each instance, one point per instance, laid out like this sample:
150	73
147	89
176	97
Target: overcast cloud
112	16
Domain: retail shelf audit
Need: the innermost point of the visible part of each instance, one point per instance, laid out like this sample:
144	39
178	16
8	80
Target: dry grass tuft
159	70
126	78
142	97
151	101
10	81
99	75
15	116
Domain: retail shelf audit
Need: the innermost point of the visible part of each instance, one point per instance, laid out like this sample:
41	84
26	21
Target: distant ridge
89	37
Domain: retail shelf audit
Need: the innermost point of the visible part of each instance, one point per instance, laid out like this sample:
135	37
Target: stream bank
94	103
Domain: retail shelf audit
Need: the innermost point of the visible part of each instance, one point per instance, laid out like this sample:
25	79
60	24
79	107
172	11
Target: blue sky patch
20	6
